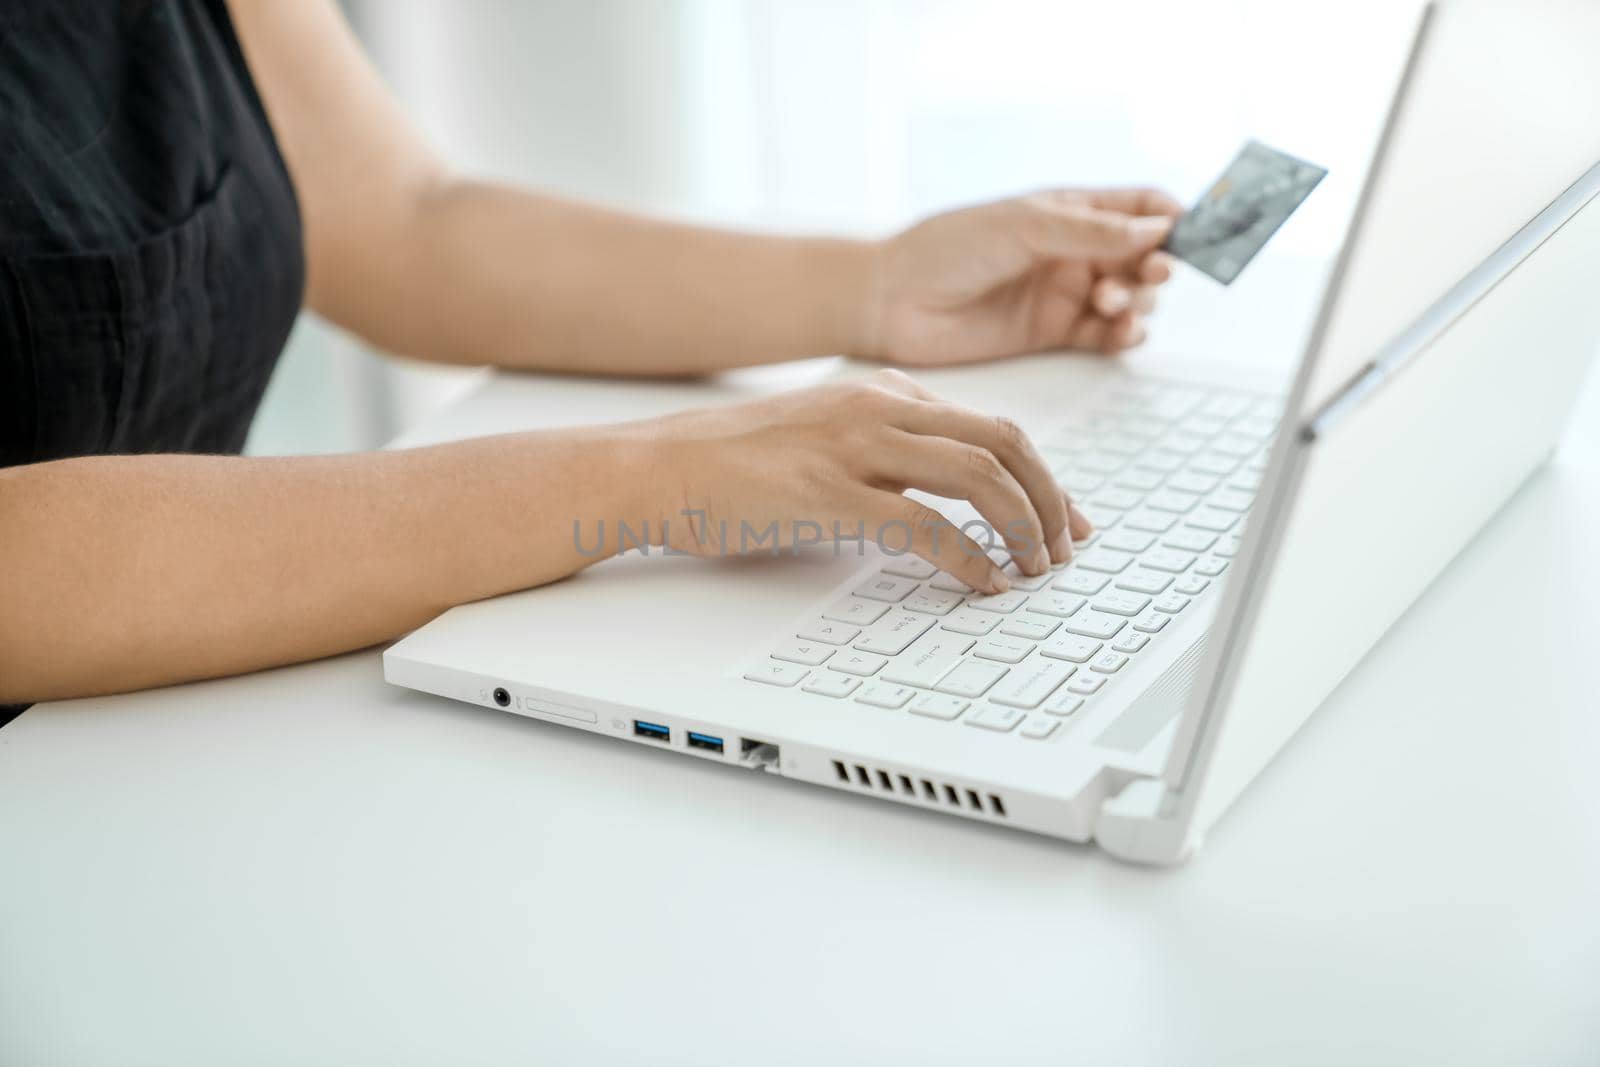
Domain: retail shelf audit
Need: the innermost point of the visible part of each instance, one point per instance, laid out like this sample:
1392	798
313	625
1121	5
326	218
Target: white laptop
1249	549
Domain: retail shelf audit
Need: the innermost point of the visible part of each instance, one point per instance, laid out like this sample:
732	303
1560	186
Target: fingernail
998	582
1114	301
1082	519
1061	547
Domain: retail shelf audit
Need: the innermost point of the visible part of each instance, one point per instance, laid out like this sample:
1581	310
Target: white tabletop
308	866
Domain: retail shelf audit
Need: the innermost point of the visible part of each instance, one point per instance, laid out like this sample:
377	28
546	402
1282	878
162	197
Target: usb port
706	741
653	730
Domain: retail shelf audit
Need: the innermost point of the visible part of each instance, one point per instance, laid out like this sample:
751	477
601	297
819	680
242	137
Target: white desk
307	866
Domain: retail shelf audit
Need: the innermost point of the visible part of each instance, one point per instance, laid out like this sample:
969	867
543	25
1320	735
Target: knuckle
982	464
1009	435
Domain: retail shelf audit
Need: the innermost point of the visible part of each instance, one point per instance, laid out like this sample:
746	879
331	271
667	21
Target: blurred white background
854	116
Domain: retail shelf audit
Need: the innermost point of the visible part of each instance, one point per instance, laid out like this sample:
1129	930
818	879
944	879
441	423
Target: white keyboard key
1064	703
1003	649
1116	499
1214	463
1192	482
992	717
1226	406
1027	583
1151	622
1030	627
1120	603
1078	481
1027	687
1130	642
1095	624
939	706
886	696
1258	462
1070	648
891	636
772	672
1121	443
931	602
1184	442
829	632
911	567
1139	478
1128	540
832	684
1212	519
1161	460
1246	482
1256	426
1080	583
862	664
1189	539
1165	559
1098	462
1059	605
1203	425
1109	662
1172	500
1228	547
1103	560
1142	426
1211	566
1000	603
1086	683
972	679
947	583
1237	445
1100	518
888	588
1231	500
929	658
1038	728
810	653
1191	586
1143	581
854	609
976	623
1150	521
1170	404
1172	603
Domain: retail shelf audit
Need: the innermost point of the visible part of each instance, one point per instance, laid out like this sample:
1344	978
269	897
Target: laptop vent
944	794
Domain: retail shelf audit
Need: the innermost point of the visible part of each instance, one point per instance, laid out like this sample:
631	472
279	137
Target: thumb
1080	231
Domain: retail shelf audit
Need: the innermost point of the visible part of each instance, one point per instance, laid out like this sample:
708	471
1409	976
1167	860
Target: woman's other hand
793	468
1058	269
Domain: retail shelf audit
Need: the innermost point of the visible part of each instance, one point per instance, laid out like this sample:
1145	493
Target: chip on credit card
1236	217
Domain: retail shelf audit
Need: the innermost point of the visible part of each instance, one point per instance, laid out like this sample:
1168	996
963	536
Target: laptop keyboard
1166	473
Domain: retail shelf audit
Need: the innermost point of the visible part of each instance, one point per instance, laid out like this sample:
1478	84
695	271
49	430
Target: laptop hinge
1141	824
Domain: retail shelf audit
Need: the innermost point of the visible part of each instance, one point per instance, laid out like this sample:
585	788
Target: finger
1143	300
1155	268
1078	230
1135	201
900	383
1111	296
936	539
1124	331
960	471
1089	333
1079	523
1006	441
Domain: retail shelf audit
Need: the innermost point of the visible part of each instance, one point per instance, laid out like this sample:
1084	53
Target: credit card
1234	220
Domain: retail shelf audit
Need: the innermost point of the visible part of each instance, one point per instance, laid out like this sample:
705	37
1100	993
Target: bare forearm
132	571
493	275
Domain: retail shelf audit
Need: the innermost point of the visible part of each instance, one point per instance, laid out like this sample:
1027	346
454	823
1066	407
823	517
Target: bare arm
425	263
123	572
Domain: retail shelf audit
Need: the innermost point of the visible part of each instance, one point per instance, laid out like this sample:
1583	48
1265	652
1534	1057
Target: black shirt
150	249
